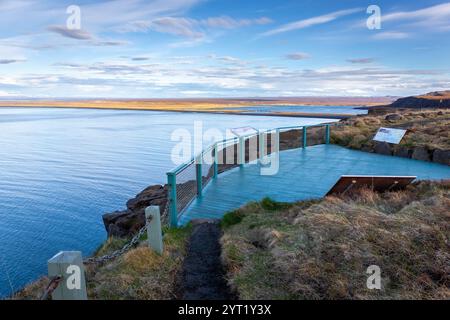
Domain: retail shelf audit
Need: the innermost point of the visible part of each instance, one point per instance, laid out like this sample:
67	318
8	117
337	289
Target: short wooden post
69	266
154	232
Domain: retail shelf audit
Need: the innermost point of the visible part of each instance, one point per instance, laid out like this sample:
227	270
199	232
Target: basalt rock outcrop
127	222
432	100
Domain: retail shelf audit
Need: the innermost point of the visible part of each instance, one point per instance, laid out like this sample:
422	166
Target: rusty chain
133	242
54	283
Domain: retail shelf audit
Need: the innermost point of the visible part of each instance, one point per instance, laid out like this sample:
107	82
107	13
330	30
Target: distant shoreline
227	112
212	106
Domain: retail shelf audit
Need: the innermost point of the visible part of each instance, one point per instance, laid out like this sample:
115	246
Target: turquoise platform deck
304	174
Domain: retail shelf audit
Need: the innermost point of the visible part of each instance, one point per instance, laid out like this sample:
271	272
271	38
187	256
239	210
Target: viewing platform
304	173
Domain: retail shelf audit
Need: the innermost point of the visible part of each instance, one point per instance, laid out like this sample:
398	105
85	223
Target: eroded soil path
203	275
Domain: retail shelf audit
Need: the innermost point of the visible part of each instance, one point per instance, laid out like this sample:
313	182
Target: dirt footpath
203	276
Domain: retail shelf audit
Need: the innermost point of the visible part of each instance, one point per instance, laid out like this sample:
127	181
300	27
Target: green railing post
172	182
305	141
216	160
277	136
241	152
261	145
327	134
198	165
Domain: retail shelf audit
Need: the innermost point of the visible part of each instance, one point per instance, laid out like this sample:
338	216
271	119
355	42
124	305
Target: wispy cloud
110	43
191	28
69	33
226	22
176	26
9	61
431	19
248	79
391	35
85	36
301	24
361	60
438	13
298	56
140	58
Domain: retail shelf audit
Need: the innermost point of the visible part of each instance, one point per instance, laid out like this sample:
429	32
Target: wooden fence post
154	232
69	266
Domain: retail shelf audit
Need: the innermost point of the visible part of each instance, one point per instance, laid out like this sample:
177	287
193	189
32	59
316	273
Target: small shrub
232	218
271	205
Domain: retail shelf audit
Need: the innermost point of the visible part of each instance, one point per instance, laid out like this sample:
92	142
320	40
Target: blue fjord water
61	169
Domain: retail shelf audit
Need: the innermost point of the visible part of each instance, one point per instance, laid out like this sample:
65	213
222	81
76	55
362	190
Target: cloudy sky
222	48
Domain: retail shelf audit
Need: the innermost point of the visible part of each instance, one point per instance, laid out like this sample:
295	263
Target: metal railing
187	181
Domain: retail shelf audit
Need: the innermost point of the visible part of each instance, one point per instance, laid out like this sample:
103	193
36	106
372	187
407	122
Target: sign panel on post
390	135
244	131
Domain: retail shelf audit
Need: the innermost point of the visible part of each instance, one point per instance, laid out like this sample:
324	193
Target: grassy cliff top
322	249
139	274
430	129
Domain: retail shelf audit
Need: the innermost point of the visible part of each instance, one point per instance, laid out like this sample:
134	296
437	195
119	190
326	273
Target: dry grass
140	274
430	129
322	249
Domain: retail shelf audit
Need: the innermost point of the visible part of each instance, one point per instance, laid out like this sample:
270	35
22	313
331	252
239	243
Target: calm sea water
61	169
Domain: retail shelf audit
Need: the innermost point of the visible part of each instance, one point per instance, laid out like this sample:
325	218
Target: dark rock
393	117
421	103
383	148
403	152
441	156
421	153
127	223
111	218
148	196
115	231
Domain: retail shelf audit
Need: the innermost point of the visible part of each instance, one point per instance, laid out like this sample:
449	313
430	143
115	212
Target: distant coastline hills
431	100
438	99
201	102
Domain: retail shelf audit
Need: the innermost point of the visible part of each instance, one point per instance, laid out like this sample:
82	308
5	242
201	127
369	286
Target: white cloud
391	35
226	22
301	24
176	26
6	94
431	19
10	61
165	78
10	5
432	14
190	28
69	33
298	56
361	60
